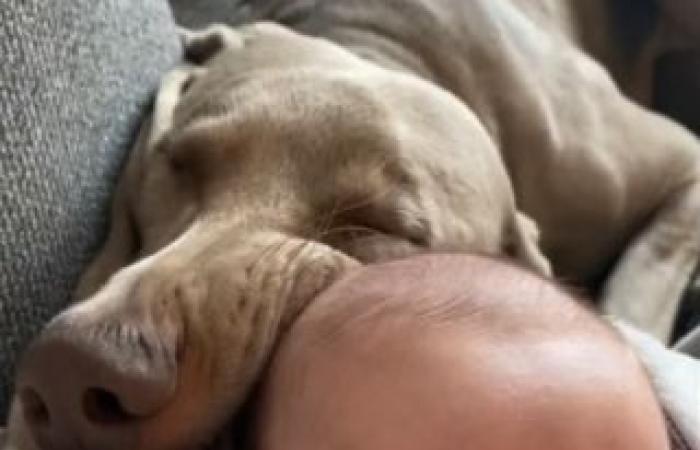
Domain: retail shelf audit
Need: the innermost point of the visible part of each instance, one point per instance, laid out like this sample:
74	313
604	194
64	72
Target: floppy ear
122	244
523	244
173	86
202	45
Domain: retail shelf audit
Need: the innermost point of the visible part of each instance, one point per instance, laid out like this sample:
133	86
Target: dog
351	132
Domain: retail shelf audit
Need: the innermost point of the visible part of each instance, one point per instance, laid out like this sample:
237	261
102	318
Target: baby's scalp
440	350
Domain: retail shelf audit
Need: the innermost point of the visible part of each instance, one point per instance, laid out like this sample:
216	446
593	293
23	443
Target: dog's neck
441	40
358	29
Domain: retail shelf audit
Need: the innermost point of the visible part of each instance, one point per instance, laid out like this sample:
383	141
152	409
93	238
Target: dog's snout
81	387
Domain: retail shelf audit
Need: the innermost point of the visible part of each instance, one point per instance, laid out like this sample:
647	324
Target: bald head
454	352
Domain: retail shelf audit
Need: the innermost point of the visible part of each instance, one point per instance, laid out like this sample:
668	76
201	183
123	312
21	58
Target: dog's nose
91	387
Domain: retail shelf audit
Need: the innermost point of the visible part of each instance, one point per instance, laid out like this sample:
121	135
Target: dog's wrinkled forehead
288	140
266	65
301	117
277	96
278	71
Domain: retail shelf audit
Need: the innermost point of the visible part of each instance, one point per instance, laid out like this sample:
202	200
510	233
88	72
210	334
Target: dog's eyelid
390	222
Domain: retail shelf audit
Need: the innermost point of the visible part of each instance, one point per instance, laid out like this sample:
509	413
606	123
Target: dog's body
281	160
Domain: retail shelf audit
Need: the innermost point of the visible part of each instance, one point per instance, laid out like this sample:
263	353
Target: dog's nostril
35	411
104	408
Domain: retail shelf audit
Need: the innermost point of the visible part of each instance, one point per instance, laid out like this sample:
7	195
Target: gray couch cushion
75	77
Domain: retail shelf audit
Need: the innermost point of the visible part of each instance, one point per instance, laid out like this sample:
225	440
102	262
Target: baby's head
454	352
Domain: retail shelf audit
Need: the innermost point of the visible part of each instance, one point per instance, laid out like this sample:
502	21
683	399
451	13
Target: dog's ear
201	45
123	241
122	244
172	88
522	243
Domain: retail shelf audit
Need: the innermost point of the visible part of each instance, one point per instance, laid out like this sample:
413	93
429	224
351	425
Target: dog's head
266	171
377	163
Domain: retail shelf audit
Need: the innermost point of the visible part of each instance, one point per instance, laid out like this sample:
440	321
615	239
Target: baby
459	352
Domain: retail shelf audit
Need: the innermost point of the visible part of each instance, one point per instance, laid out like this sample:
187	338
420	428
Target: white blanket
676	378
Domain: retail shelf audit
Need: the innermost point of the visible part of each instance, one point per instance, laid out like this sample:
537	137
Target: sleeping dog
363	130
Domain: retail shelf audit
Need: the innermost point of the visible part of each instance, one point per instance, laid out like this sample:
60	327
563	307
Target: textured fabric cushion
75	78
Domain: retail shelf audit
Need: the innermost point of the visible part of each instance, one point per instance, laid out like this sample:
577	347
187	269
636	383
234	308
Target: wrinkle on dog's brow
348	202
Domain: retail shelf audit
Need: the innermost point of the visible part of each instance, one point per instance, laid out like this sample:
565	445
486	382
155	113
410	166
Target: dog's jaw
207	317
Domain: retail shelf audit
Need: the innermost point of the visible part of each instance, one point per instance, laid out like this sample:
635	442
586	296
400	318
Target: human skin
454	352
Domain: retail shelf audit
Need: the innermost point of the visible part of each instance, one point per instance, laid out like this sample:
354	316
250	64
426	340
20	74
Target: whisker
333	215
368	200
327	221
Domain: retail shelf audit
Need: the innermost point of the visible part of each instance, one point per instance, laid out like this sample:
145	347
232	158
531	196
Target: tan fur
278	161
